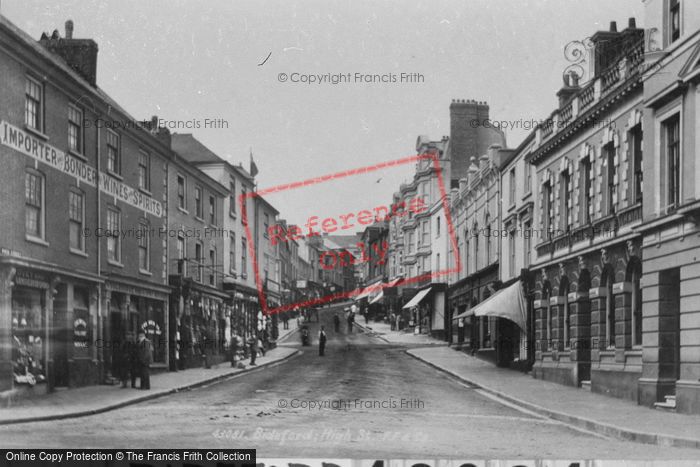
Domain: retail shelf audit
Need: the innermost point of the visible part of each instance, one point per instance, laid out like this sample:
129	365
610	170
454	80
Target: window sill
115	175
115	263
78	252
36	132
77	155
146	192
37	240
232	215
184	211
199	219
145	272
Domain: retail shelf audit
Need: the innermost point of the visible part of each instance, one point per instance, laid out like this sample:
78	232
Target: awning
464	314
392	283
377	298
508	303
367	291
417	298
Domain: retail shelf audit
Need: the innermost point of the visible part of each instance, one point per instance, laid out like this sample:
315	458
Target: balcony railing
586	97
630	215
610	77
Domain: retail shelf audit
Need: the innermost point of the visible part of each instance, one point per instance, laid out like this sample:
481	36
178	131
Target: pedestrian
234	348
460	330
285	319
145	358
392	321
321	341
253	346
261	346
336	323
351	319
366	316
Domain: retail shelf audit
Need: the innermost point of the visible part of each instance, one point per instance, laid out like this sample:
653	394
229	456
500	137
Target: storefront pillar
541	343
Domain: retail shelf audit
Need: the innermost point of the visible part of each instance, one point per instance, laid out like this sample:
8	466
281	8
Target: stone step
586	385
669	404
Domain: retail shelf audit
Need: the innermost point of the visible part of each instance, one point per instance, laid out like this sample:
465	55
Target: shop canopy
376	299
417	298
392	283
367	291
508	303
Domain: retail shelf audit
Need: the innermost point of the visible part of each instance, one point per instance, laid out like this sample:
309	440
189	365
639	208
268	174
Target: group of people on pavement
135	362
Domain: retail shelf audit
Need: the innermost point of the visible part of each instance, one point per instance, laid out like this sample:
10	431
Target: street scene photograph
325	233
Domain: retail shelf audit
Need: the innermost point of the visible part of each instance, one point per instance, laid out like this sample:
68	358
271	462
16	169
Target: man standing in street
253	346
351	319
321	342
145	358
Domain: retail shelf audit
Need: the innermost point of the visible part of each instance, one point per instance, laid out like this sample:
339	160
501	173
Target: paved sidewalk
606	415
90	400
383	331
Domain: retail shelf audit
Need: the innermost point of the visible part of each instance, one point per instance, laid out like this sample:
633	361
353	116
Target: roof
57	61
194	151
347	242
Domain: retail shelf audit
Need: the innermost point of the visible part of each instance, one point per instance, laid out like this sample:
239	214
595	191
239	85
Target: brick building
67	287
200	311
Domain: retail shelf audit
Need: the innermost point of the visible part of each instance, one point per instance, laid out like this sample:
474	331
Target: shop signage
80	328
151	328
34	147
301	284
31	279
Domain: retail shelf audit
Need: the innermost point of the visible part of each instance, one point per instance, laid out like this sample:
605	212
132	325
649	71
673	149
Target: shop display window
28	336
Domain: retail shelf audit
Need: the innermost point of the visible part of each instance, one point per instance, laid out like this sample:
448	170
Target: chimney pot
154	123
632	23
55	34
566	80
613	26
69	29
574	80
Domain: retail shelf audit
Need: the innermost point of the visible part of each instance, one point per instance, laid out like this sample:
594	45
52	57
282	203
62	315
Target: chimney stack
613	26
632	23
79	54
69	29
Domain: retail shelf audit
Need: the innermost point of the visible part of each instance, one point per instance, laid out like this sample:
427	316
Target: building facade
670	369
200	311
588	203
67	285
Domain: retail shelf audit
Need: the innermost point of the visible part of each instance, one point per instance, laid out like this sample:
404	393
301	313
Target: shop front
48	330
128	309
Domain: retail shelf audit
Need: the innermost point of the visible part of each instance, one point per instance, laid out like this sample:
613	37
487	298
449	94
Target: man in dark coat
125	359
145	358
253	346
321	341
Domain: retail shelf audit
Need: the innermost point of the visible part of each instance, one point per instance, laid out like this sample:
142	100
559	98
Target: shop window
75	129
34	204
150	321
114	155
33	104
636	303
76	221
82	324
28	332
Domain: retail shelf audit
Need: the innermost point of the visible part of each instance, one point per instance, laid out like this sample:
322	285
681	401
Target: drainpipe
100	311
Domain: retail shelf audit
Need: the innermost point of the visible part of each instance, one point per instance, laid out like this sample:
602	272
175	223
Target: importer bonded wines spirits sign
32	146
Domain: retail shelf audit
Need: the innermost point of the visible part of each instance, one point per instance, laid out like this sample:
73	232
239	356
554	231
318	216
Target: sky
192	61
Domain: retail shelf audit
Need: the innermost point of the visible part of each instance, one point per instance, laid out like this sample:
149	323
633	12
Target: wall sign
29	145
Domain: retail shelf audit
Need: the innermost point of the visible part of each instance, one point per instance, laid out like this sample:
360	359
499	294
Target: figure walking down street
336	323
145	358
285	319
253	347
351	320
321	341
